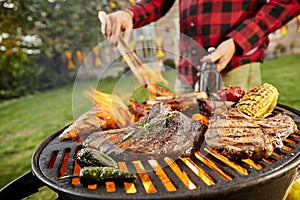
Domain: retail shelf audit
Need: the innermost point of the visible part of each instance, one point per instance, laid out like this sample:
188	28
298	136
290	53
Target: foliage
16	80
41	31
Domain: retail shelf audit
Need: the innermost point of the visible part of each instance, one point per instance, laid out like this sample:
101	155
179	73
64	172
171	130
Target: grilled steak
160	132
237	136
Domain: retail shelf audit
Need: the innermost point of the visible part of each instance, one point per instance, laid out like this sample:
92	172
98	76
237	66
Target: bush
17	76
52	72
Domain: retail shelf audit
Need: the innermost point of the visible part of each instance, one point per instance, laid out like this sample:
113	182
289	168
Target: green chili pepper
92	157
99	174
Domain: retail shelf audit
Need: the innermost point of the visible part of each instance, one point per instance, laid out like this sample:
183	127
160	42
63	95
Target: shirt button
192	24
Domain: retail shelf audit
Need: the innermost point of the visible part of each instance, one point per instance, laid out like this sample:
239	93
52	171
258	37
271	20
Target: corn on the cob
259	102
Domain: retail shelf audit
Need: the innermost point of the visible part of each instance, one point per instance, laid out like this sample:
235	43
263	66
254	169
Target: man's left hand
222	55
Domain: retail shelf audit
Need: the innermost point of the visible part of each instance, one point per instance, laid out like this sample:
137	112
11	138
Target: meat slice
160	132
237	136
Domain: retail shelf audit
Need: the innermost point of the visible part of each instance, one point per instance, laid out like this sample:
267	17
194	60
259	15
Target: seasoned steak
159	133
237	136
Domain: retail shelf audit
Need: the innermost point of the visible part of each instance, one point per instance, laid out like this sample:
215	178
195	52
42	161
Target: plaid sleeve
269	18
146	11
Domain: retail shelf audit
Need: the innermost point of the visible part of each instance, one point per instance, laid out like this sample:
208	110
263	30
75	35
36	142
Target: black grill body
206	175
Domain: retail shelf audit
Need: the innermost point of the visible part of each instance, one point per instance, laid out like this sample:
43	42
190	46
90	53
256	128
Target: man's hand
222	55
113	23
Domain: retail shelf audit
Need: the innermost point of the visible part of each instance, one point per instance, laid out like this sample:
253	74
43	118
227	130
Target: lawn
26	122
284	73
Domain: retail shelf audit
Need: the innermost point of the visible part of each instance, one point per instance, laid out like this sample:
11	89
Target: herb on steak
147	128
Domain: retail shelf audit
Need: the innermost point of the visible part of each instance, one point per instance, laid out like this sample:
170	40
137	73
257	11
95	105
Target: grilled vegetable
89	175
259	102
93	157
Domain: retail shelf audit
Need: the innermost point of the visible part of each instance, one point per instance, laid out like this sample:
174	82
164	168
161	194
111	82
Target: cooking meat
237	136
96	119
230	94
160	132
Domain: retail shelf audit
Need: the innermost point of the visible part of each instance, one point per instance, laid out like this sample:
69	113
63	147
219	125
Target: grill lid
206	174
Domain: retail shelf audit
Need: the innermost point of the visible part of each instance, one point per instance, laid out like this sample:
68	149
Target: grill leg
24	186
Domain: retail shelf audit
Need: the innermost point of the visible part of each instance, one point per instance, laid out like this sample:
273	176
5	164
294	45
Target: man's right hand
113	23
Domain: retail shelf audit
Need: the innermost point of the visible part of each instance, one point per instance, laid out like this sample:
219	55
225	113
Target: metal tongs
209	78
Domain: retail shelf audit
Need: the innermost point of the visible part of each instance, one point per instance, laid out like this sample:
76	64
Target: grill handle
24	186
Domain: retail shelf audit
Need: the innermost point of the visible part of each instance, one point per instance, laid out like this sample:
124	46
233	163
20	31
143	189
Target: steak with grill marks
237	136
159	133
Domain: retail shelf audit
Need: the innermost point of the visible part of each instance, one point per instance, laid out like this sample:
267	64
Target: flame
207	179
110	186
112	109
156	90
212	166
139	109
181	174
146	181
162	176
150	79
129	186
228	162
115	113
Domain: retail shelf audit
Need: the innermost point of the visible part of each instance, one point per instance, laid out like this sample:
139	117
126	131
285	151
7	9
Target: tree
16	75
35	34
40	31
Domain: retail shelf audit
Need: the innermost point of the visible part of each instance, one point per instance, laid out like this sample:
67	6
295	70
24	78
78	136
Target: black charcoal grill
207	175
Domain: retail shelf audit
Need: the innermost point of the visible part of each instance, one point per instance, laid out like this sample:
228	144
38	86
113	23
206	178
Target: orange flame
113	109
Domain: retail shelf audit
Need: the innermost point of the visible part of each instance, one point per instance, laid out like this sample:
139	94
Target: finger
102	19
222	63
206	59
103	29
108	26
215	56
116	29
102	16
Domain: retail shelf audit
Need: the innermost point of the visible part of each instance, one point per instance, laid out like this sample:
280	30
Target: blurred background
43	44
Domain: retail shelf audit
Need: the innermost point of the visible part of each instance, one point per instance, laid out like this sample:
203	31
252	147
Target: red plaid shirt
209	22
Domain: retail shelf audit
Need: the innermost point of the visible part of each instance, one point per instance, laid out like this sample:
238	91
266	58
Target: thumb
213	57
102	16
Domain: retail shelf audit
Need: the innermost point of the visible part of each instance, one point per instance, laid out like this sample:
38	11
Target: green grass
284	73
28	121
25	123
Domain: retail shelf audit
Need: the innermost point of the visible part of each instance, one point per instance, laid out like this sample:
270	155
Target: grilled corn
259	102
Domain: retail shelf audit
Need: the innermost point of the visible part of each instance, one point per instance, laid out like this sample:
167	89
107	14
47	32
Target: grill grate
189	171
206	172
